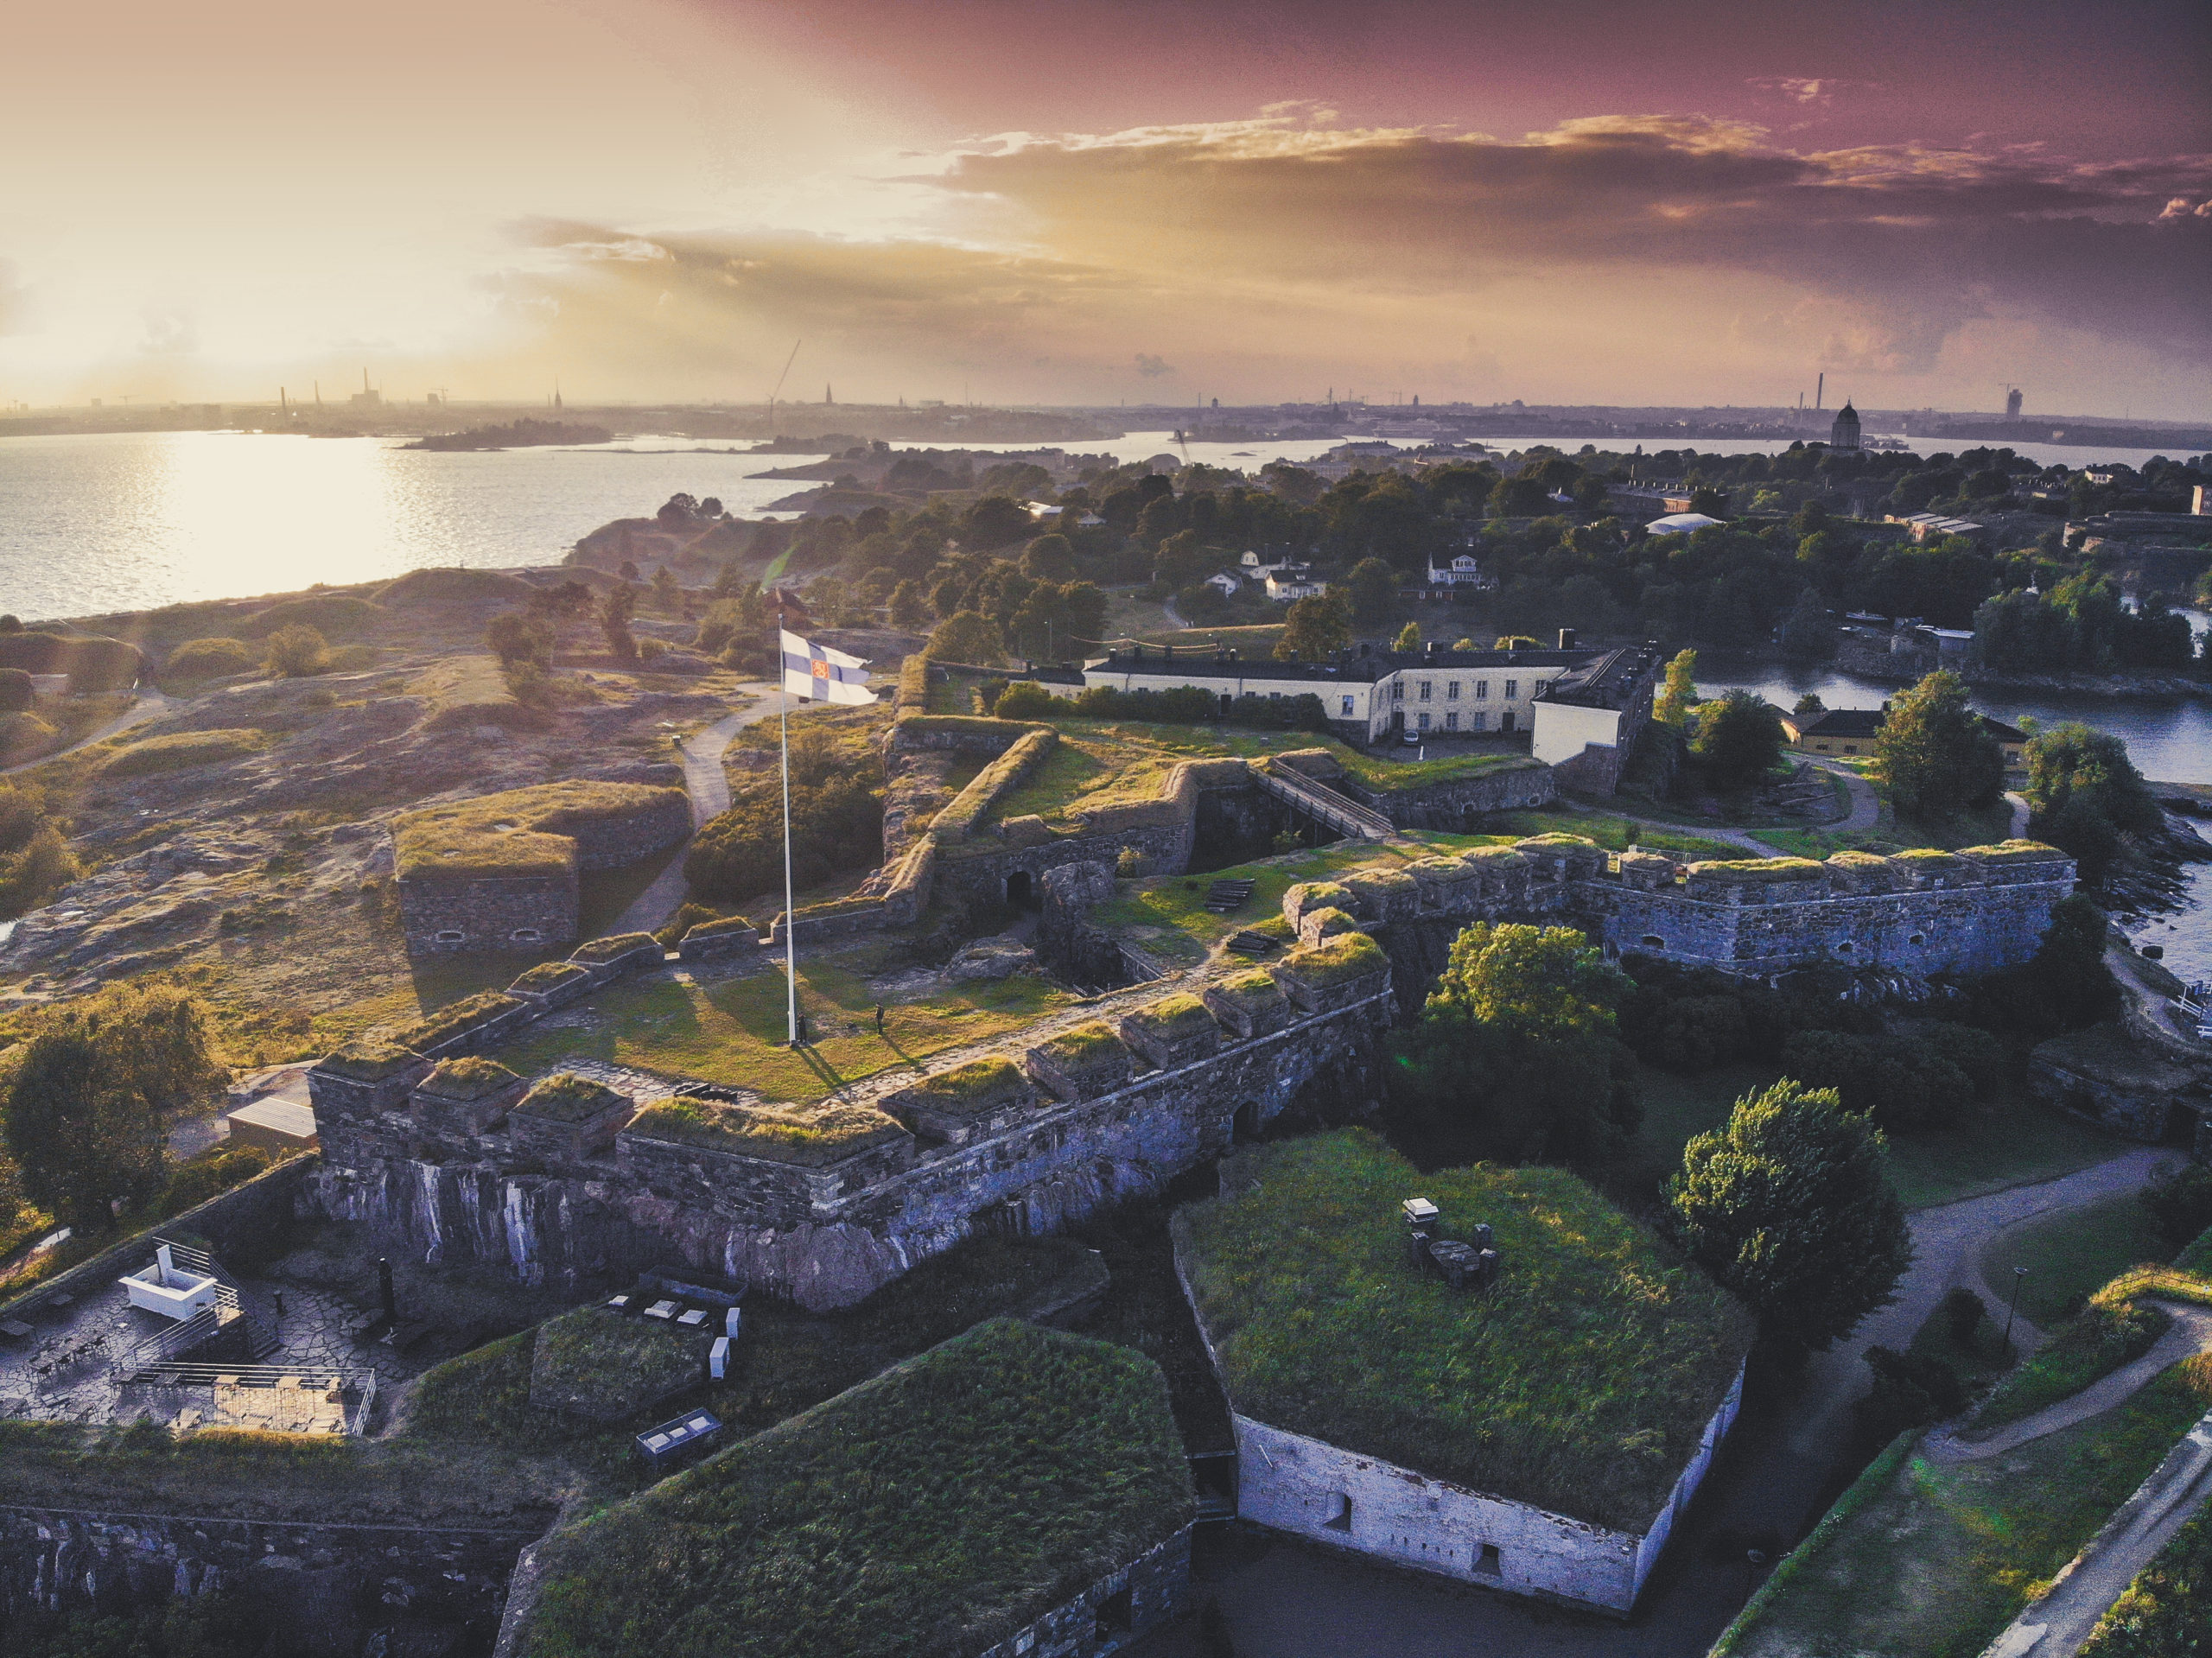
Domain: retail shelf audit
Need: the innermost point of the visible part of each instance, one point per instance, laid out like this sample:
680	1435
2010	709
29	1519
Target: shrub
1963	1312
1026	699
2180	1201
195	1182
16	691
1902	1087
33	873
199	660
298	652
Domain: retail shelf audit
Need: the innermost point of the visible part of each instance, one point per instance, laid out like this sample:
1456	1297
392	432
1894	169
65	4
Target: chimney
1567	638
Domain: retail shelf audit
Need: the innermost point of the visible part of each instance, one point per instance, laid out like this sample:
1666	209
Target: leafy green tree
298	652
84	1110
1677	695
1514	1055
1809	706
1935	753
1049	558
1738	739
2066	983
1806	634
1790	1205
1314	628
1408	639
910	606
1710	501
2084	793
1373	585
967	636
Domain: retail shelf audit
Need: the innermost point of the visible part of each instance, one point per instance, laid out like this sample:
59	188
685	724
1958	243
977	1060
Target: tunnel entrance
1021	890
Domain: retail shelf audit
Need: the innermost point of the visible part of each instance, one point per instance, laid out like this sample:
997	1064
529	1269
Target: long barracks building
1583	709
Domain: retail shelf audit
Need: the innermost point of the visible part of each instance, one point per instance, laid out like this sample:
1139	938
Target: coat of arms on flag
821	674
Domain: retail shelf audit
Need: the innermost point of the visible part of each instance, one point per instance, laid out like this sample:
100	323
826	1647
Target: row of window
1451	690
1476	721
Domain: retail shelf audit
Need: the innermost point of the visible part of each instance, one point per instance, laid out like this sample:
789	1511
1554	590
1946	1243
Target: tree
614	612
1934	752
2083	793
1049	558
1408	637
298	652
2067	982
1809	705
515	637
1373	585
668	595
1678	691
1738	739
967	636
1789	1206
1315	628
910	606
84	1112
1709	501
1807	634
1514	1055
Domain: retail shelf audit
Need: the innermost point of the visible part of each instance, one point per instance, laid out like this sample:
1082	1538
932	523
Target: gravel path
2192	1333
149	703
1865	805
1948	1241
707	784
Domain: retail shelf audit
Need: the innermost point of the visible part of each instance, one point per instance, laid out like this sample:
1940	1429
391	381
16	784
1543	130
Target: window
1424	688
524	935
1850	749
1340	1513
1917	938
1450	690
1397	690
1451	721
1488	1563
1482	690
1347	706
450	936
1653	941
1481	722
1424	722
1275	697
1844	948
1512	689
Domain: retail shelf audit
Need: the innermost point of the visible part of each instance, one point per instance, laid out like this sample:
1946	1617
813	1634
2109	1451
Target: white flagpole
790	915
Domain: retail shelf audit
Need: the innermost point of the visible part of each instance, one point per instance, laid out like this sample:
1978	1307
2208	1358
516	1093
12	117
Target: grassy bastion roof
806	1136
928	1513
566	1098
472	1078
367	1060
516	832
1581	1383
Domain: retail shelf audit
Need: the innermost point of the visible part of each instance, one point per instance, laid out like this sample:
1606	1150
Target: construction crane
780	379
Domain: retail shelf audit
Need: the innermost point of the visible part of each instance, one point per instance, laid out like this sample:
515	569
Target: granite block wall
1156	1585
489	912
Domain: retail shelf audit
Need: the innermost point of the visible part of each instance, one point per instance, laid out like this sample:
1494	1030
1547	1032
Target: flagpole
790	912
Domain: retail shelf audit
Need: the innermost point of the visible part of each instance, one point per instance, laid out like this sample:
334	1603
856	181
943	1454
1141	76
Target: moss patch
597	1364
568	1098
807	1136
1582	1383
180	751
471	1078
518	831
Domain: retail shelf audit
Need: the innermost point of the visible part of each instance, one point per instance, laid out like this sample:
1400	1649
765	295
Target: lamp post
2018	1273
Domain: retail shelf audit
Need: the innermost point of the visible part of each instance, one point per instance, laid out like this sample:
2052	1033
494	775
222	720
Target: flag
816	672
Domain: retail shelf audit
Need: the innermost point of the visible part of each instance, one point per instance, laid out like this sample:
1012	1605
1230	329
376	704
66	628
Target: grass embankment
2069	1256
728	1032
182	751
520	831
2117	1326
784	1360
1581	1383
934	1510
1167	917
1938	1559
308	1478
1612	832
2167	1609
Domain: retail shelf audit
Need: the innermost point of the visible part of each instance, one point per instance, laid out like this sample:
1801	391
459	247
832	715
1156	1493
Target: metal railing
1323	805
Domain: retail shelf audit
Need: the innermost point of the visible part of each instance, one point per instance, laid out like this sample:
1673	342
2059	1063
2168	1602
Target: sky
1060	202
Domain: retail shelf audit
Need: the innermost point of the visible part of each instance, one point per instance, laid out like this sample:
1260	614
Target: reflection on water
2170	740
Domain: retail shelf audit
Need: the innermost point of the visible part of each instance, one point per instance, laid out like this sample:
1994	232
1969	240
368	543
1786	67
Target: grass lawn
1581	1382
2070	1256
1677	1108
1938	1558
2169	1602
729	1032
1167	917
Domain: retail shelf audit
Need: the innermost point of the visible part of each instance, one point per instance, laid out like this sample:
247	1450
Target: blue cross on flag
816	672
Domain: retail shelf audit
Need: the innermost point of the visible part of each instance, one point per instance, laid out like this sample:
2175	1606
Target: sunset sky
1062	202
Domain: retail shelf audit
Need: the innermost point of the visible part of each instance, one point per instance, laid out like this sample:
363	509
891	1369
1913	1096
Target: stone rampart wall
617	841
1157	1583
1453	804
324	1591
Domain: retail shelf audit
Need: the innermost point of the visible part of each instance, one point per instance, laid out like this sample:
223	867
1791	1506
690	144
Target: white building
1291	581
1679	523
1228	584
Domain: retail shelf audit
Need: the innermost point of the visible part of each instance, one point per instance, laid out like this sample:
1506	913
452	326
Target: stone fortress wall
1051	1149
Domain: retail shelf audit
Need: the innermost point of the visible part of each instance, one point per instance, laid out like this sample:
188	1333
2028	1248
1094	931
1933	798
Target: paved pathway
2191	1332
2021	813
1865	805
707	784
2057	1625
1946	1242
149	703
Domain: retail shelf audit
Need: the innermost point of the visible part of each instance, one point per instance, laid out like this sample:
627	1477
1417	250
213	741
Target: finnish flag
816	672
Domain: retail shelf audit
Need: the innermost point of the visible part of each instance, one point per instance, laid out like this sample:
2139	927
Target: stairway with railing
237	1313
1322	803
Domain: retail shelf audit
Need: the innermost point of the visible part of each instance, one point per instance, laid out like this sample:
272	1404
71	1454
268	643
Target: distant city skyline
1596	203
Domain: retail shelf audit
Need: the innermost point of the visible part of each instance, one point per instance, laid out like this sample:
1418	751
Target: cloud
1798	89
1153	367
1913	241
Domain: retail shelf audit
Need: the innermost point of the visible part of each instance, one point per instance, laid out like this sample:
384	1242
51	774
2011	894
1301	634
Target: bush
1963	1312
34	872
2180	1201
199	660
1901	1086
298	652
1028	700
836	826
16	691
686	918
195	1182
